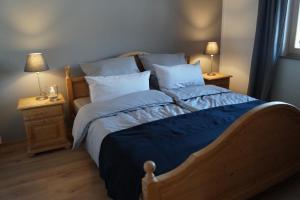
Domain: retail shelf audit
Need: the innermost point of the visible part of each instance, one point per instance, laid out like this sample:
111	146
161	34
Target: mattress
80	102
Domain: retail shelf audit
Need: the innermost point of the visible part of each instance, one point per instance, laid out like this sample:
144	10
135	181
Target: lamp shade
212	48
35	62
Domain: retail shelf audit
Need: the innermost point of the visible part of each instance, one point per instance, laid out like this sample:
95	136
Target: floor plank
61	174
67	174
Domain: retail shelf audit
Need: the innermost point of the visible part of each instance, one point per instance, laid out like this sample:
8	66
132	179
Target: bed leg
148	182
70	91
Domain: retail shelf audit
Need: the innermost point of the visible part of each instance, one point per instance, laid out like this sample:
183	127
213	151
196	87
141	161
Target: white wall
237	39
287	82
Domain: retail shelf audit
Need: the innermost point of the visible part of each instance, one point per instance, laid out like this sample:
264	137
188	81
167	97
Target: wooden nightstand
219	79
44	124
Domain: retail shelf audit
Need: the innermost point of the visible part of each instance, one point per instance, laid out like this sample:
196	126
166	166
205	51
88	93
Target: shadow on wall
238	34
74	31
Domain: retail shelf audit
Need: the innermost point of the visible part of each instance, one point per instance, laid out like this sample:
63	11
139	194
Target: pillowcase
104	88
178	76
111	67
148	60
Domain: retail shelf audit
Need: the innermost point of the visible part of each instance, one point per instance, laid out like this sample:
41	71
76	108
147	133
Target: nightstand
44	123
219	79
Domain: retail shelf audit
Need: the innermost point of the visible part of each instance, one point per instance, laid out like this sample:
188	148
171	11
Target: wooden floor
66	174
62	174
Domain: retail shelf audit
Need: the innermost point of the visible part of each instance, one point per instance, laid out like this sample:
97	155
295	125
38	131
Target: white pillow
104	88
178	76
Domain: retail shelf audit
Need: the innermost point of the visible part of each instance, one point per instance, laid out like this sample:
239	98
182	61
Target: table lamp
212	49
35	62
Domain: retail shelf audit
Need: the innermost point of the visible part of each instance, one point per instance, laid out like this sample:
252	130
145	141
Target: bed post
70	93
149	189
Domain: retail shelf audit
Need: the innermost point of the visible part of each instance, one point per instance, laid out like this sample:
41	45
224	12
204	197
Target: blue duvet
167	142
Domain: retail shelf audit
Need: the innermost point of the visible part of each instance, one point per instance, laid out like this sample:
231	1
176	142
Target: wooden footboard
259	150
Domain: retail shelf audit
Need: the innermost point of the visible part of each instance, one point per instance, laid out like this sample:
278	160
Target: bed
238	164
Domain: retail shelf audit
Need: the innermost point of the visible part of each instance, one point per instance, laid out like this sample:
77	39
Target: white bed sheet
80	102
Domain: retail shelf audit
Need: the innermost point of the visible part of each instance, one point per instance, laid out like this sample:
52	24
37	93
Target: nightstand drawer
45	131
218	79
43	112
219	82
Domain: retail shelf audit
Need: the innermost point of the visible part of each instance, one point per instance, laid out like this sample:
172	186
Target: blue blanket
167	142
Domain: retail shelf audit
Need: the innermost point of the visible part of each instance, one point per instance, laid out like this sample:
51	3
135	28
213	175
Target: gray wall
74	31
287	82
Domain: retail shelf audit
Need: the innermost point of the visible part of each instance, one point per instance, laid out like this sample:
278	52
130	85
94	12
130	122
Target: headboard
77	86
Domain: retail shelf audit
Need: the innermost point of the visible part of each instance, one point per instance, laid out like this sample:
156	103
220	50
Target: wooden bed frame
258	150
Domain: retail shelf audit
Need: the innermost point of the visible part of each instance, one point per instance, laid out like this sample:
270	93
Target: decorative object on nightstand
53	93
35	62
218	79
212	49
44	123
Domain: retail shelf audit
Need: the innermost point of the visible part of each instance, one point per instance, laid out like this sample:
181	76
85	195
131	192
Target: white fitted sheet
80	102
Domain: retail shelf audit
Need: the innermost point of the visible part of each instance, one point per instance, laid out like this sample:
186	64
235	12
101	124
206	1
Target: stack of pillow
112	78
171	71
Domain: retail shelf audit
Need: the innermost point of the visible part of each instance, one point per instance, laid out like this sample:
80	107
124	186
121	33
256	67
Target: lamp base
211	74
41	98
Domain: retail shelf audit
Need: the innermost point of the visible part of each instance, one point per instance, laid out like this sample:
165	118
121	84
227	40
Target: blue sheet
167	142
